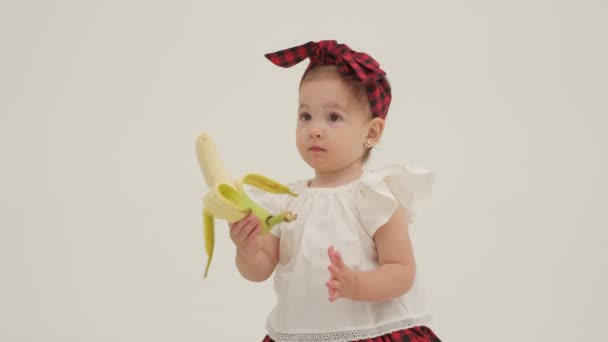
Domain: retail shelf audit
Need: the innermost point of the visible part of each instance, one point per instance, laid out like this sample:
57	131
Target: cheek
351	144
345	146
300	135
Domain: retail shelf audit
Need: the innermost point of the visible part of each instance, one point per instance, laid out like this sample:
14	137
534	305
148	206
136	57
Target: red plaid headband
357	66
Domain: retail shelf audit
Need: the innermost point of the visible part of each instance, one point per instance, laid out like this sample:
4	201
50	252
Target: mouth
316	149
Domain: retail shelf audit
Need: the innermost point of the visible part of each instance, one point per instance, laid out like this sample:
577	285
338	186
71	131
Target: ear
374	132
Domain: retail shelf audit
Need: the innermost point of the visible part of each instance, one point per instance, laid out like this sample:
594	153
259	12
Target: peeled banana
227	200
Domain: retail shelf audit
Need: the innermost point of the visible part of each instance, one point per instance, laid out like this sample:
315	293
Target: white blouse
346	217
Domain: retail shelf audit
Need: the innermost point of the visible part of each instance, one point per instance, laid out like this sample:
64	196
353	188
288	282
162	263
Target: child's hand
342	281
244	234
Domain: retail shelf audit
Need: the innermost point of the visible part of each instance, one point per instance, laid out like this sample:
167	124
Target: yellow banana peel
227	200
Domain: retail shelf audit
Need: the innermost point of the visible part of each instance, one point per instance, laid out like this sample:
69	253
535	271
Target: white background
101	101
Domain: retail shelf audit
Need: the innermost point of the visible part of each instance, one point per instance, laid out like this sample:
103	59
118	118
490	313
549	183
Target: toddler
345	269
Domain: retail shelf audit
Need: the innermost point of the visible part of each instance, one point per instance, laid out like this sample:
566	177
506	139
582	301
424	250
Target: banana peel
227	200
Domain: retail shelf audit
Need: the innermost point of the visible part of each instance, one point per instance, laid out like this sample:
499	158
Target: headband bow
357	66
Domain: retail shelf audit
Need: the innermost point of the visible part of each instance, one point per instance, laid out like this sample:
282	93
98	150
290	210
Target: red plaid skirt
415	334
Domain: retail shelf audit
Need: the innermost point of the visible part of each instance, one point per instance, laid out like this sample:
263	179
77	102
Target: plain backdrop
100	190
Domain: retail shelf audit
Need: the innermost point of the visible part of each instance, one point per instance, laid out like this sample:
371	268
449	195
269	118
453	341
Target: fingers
254	232
335	272
333	295
335	285
334	289
330	253
237	226
245	230
338	261
335	258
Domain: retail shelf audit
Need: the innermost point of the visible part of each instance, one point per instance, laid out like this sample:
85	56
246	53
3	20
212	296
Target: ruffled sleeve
382	191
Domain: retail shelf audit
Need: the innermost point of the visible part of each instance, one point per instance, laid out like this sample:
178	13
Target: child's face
332	125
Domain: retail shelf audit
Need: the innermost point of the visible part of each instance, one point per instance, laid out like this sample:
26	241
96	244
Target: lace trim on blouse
352	335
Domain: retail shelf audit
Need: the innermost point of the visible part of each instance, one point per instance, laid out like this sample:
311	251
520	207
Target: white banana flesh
210	163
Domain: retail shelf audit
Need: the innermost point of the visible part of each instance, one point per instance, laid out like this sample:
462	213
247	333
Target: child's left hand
342	281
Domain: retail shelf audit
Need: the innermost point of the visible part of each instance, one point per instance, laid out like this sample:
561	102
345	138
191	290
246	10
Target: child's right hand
244	234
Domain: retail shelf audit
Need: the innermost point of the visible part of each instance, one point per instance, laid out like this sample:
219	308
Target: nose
315	132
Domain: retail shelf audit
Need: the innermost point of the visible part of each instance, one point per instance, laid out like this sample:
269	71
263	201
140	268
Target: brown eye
335	117
305	117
